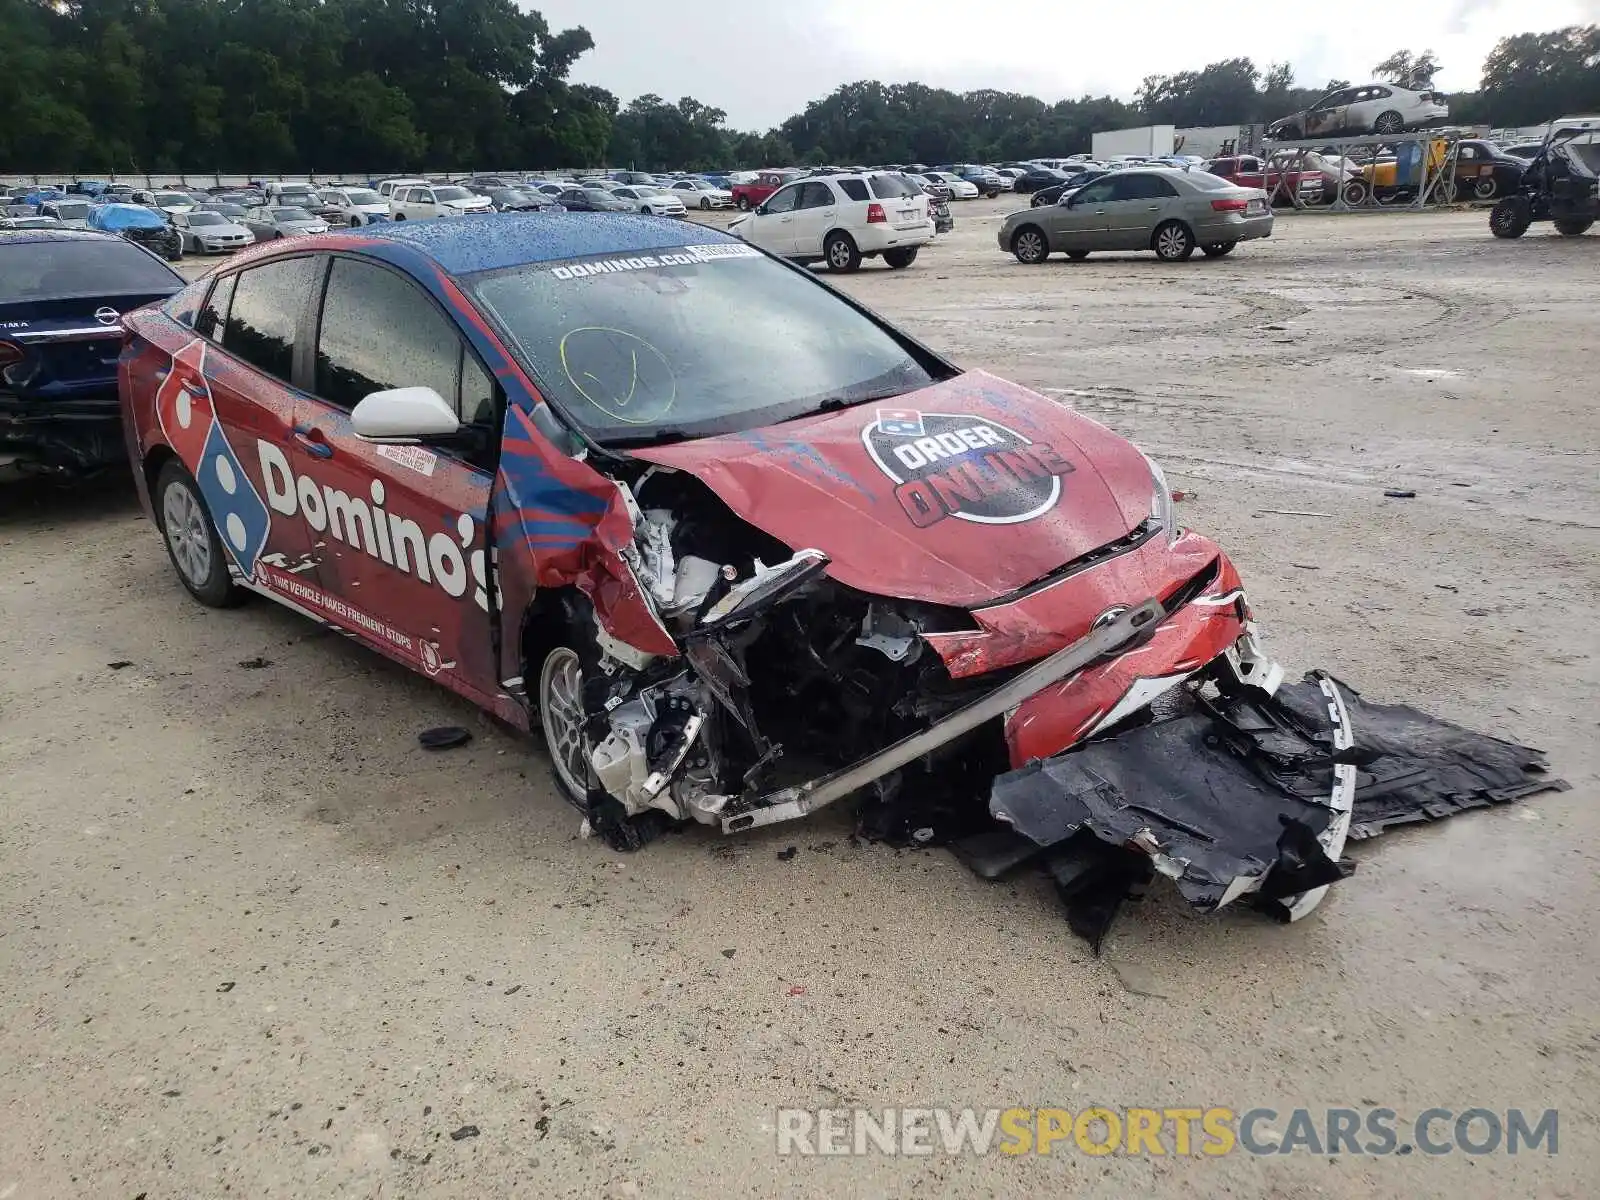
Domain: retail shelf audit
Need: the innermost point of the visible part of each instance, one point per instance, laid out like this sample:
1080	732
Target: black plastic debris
1399	494
255	664
445	737
122	664
1232	798
466	1131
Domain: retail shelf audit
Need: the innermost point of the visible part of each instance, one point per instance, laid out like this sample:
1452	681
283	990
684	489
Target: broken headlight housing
1161	510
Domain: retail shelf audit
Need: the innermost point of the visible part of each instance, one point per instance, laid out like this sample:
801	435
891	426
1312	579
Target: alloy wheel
1029	246
561	713
185	523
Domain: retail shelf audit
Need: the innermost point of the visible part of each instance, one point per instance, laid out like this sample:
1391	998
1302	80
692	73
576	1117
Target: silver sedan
269	221
1171	212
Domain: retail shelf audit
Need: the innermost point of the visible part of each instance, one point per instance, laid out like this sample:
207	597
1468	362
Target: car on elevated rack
1382	108
62	294
1171	212
736	548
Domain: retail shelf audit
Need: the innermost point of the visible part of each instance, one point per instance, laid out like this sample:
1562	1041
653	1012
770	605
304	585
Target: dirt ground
258	943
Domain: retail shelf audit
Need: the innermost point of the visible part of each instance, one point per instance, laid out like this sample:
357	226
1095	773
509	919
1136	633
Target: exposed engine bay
793	691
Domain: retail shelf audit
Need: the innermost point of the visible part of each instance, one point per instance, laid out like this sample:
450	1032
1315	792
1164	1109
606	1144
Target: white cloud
762	63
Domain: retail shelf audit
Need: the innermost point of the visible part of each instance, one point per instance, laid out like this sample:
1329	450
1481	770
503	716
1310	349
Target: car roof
464	247
11	237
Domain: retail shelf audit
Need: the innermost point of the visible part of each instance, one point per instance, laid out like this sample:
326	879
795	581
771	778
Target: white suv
419	202
841	219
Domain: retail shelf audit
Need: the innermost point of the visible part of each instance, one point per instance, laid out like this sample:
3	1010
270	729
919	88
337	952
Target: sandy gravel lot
257	943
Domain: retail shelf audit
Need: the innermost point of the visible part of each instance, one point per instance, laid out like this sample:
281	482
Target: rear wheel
1389	123
1173	242
1030	245
900	257
1355	192
1218	249
1573	226
742	203
841	253
1511	217
191	538
1485	189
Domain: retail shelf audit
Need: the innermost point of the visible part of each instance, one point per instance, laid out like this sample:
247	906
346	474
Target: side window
265	313
476	404
1097	192
214	316
379	331
422	195
1466	153
816	195
854	188
783	200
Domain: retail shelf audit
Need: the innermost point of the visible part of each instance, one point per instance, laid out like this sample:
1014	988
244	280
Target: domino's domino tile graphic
189	421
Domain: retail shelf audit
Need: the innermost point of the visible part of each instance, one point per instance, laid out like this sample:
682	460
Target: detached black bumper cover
1240	798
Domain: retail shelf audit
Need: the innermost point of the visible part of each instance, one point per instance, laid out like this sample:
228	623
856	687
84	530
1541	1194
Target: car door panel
229	416
776	214
815	214
401	529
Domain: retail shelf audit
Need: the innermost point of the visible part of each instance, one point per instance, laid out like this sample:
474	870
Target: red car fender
1050	721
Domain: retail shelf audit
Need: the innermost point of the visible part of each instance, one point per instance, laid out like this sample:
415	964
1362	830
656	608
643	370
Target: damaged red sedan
738	548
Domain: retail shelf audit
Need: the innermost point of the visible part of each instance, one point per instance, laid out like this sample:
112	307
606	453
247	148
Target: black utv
1561	184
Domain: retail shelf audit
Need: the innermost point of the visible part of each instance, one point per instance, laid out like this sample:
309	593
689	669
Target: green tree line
269	86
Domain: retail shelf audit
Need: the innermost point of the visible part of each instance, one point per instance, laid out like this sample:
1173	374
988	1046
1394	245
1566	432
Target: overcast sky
762	61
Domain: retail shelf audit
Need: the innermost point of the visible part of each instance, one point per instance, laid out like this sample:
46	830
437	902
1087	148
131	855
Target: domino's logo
188	418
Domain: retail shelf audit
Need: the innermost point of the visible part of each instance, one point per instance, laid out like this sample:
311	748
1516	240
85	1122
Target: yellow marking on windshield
611	404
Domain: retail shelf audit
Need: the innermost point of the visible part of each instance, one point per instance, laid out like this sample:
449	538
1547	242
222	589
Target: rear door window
854	188
816	195
264	317
213	317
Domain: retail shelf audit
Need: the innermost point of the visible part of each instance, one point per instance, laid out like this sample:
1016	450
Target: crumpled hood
955	494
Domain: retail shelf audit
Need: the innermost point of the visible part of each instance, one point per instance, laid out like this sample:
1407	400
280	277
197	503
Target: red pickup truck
1281	186
747	195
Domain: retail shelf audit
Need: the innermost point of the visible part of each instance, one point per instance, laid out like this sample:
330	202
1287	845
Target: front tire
1486	189
742	203
191	538
901	257
1511	217
841	253
562	720
1218	249
1173	242
1355	193
705	203
1030	245
1573	226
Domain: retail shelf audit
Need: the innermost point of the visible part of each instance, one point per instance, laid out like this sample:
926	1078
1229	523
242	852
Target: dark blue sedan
62	296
